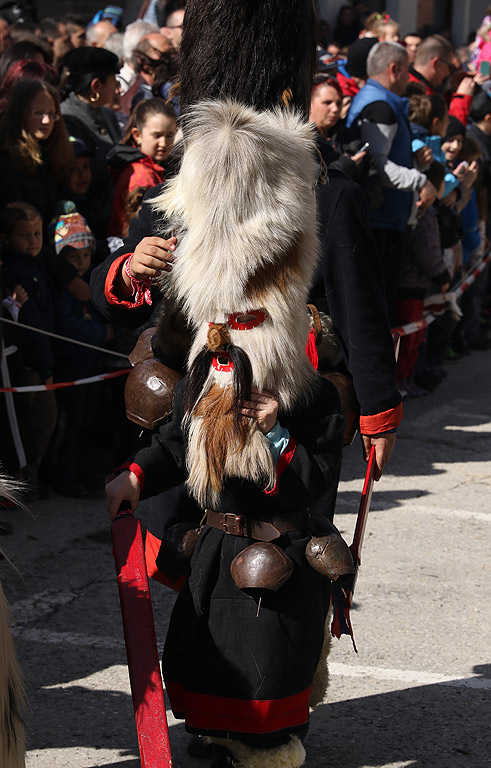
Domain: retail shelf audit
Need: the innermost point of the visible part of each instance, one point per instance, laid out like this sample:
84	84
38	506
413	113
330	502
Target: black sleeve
349	284
378	112
143	226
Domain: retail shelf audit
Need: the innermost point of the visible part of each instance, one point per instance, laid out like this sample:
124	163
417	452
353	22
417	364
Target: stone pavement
417	695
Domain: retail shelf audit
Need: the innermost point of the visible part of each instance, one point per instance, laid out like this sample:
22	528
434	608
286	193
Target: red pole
141	643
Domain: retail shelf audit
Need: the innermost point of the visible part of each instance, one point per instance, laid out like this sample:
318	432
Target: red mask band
244	321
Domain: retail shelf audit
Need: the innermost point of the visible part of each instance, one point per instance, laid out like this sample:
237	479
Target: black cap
358	51
480	107
455	128
91	61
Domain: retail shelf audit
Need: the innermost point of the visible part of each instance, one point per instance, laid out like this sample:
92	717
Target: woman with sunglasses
35	149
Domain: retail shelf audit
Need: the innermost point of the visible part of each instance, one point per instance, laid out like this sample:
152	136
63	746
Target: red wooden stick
366	498
141	643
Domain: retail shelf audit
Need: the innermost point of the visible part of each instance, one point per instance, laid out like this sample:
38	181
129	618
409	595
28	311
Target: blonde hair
25	150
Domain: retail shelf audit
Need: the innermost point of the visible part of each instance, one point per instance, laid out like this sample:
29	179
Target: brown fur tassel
218	336
223	434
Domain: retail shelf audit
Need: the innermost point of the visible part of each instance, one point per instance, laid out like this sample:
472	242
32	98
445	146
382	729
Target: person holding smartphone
340	147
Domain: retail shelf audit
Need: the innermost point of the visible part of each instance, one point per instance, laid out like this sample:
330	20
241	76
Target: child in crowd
78	189
75	243
422	271
430	120
383	27
31	300
138	161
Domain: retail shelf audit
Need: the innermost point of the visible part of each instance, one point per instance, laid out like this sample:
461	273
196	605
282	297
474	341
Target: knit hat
455	128
70	228
358	51
79	147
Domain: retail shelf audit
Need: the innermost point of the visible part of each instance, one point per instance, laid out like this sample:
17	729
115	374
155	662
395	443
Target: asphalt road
417	695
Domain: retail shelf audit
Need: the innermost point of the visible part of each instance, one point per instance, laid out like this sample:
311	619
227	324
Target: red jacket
141	172
460	104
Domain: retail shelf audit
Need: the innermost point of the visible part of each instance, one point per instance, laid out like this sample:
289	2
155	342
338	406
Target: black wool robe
230	670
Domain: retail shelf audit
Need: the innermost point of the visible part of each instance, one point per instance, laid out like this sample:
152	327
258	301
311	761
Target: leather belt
262	530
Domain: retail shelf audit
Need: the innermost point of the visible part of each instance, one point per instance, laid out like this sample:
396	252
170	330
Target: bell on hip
262	565
330	556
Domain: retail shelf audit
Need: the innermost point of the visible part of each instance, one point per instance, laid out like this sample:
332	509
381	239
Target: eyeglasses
41	115
449	65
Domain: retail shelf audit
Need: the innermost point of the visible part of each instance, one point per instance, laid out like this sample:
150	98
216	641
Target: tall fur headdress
243	210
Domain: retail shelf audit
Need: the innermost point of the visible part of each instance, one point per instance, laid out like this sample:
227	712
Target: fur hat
249	167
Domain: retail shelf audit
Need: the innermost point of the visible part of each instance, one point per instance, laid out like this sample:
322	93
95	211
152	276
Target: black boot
198	748
223	758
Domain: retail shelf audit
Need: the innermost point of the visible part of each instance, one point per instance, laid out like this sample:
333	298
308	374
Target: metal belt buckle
233	526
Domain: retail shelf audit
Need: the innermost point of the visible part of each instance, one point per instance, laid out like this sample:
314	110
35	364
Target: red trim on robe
152	547
114	274
381	422
283	462
217	713
132	467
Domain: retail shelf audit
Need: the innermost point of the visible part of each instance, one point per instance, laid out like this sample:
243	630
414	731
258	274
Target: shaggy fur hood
243	210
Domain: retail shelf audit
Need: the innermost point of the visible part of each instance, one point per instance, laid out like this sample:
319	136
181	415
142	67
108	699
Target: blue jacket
395	209
422	138
471	238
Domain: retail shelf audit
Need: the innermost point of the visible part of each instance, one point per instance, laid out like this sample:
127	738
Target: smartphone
364	147
484	68
464	165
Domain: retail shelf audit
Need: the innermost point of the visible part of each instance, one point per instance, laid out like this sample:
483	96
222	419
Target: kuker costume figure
247	629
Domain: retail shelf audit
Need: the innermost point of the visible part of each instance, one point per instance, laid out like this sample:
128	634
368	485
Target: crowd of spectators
89	121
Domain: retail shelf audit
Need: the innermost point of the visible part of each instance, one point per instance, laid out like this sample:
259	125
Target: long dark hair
256	52
145	109
25	151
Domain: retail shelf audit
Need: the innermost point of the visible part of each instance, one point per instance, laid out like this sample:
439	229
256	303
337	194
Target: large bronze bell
143	347
176	550
262	565
148	393
330	556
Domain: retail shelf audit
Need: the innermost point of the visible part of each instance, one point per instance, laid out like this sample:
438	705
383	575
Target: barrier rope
63	338
65	384
460	288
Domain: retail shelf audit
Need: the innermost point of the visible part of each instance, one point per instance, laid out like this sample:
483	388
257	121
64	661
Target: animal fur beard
243	210
219	446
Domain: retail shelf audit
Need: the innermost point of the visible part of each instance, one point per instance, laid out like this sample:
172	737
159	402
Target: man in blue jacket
379	114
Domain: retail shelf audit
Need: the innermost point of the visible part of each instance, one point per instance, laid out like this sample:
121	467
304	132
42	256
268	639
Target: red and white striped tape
65	384
466	282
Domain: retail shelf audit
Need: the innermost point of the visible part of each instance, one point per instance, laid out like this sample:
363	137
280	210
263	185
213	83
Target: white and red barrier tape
460	288
65	384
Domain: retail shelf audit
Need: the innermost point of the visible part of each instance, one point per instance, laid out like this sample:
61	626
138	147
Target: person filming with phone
341	149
